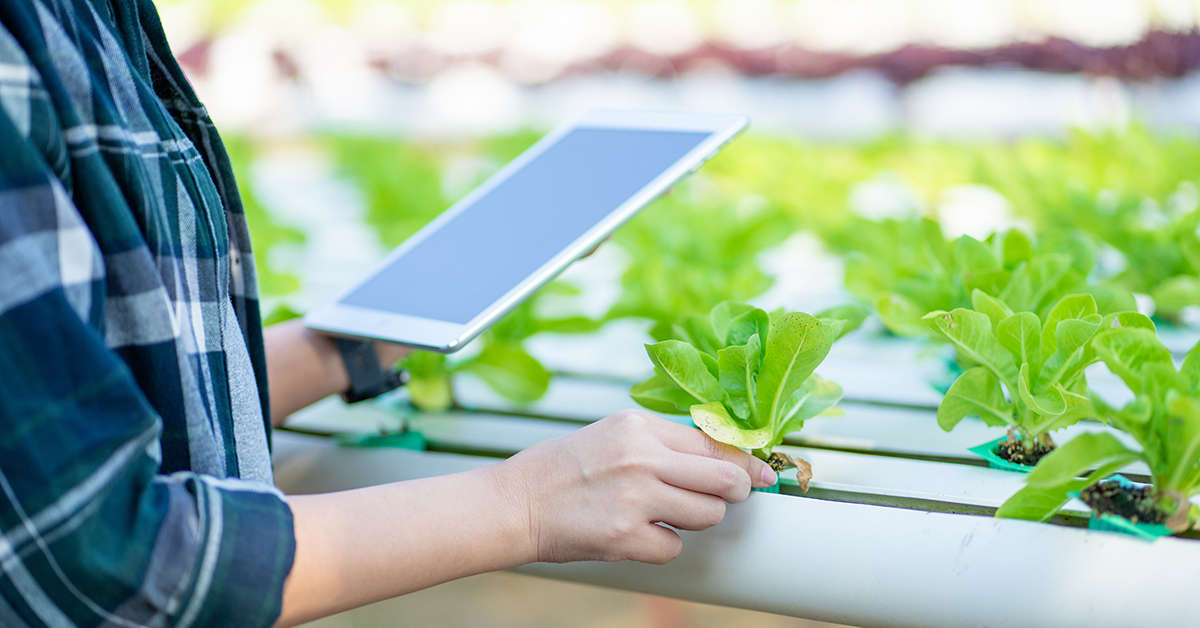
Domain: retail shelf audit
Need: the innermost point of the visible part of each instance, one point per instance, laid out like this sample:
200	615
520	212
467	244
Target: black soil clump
779	462
1137	504
1015	452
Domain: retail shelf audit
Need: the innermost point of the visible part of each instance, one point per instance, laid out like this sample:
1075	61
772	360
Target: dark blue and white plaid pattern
135	478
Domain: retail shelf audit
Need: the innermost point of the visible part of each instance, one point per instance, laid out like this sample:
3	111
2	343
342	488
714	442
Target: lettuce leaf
755	391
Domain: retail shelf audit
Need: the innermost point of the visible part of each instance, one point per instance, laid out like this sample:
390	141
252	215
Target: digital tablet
506	239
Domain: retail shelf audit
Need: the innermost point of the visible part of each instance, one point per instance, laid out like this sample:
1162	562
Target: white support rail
882	429
877	566
852	563
844	476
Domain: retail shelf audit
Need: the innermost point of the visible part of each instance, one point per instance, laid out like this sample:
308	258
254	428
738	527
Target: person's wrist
329	358
390	353
518	520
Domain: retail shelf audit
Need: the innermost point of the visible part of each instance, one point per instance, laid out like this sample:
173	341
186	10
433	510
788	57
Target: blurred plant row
865	26
533	41
919	224
1030	260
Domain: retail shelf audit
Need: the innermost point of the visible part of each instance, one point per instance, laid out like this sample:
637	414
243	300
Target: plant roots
780	461
1138	505
1025	451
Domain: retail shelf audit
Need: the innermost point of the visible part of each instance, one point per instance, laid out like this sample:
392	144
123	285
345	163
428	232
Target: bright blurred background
353	122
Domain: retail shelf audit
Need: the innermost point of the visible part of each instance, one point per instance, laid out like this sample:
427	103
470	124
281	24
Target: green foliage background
1134	191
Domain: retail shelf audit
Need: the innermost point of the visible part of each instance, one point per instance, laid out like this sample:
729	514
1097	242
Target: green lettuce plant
897	257
689	252
745	379
807	182
1135	190
1163	418
1029	376
1155	239
1160	246
1040	176
913	270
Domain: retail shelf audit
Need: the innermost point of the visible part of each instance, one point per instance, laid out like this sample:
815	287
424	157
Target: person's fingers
655	544
702	474
689	440
687	510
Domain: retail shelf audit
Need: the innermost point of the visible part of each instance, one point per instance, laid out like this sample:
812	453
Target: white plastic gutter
875	566
848	563
864	427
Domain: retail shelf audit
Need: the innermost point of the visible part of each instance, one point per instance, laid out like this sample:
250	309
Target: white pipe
876	566
852	563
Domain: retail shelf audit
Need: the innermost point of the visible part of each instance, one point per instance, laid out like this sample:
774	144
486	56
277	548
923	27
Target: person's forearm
598	493
362	546
304	366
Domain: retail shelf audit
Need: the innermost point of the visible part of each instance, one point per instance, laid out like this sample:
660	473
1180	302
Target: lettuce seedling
1162	250
1164	419
1030	373
745	379
1027	276
907	269
688	254
1145	208
1119	186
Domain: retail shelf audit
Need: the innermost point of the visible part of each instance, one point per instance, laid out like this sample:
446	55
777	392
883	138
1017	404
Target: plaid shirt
135	478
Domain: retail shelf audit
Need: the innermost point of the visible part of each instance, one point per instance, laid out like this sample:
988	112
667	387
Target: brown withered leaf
780	461
803	473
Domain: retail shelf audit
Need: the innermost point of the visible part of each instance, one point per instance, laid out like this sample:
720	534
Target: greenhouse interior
969	228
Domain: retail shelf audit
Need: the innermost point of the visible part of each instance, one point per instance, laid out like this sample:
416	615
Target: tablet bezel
446	337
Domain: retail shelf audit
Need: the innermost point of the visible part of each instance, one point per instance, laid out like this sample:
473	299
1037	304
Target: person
138	388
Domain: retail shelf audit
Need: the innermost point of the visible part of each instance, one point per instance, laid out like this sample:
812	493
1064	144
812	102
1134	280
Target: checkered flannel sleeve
90	532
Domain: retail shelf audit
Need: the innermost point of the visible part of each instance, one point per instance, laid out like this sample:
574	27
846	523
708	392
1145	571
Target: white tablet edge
445	337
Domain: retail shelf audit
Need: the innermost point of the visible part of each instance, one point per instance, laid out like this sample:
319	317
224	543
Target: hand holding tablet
522	227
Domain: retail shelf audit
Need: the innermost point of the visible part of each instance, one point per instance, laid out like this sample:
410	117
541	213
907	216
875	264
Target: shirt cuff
244	552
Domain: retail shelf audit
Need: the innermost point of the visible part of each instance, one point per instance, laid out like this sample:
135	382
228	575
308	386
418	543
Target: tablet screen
503	237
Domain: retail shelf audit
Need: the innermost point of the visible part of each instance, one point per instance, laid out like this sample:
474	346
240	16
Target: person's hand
596	494
599	493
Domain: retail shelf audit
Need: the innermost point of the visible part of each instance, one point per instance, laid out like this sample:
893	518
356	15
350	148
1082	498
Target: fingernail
768	476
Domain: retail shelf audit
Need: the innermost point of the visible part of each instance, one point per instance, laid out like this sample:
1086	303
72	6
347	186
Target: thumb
761	473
